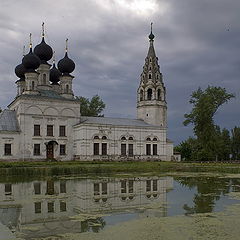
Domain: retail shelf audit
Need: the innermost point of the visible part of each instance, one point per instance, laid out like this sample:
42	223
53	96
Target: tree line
210	142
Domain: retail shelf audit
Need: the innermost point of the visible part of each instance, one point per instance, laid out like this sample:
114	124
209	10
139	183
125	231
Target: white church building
44	122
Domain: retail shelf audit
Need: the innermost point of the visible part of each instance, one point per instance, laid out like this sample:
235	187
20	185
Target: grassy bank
68	168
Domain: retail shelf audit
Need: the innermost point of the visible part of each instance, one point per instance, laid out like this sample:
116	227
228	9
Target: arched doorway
50	149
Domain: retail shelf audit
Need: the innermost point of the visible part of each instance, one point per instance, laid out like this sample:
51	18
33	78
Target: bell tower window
159	94
33	85
149	76
67	88
149	94
141	95
44	79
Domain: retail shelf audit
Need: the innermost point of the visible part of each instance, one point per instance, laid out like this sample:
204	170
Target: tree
235	143
93	107
205	105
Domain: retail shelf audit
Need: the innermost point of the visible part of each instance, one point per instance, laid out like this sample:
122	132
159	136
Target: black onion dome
43	51
20	71
31	61
66	65
151	36
54	74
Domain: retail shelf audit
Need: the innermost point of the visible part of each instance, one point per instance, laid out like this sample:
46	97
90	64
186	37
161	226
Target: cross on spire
30	40
66	49
43	33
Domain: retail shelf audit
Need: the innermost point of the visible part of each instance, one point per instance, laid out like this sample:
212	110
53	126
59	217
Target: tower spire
66	48
43	32
30	41
151	36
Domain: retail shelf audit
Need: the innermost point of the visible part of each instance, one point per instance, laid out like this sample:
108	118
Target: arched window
155	139
159	94
123	139
44	79
148	139
141	95
149	76
67	88
104	138
96	137
33	85
149	94
130	138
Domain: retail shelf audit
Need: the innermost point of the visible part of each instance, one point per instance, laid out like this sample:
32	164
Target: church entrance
50	149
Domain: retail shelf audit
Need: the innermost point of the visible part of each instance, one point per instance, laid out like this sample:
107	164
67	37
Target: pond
176	206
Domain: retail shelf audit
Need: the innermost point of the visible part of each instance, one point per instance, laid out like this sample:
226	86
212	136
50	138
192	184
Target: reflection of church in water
43	121
43	208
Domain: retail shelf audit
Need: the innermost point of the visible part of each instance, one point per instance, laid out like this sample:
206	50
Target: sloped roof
8	121
116	121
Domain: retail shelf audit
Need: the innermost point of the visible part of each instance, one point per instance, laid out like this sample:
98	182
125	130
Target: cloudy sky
197	43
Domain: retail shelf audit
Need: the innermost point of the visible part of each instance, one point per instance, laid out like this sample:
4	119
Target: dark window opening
123	139
8	189
37	188
149	94
130	138
154	149
67	88
62	149
50	207
148	139
154	185
104	137
130	149
123	149
38	207
154	139
123	187
33	85
50	130
141	95
159	94
148	149
96	149
36	149
62	131
44	79
130	186
150	76
50	187
63	206
96	137
104	188
63	188
148	185
96	189
7	149
104	148
36	131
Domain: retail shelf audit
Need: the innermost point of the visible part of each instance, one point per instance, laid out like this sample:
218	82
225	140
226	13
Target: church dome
31	61
43	51
66	65
54	75
20	71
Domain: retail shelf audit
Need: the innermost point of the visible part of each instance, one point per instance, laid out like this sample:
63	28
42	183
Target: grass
41	169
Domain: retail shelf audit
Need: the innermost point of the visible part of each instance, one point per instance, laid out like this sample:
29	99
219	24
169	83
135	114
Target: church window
8	189
148	149
123	149
148	186
104	148
96	137
123	186
155	139
130	138
149	94
7	149
36	130
50	206
157	76
33	85
155	185
37	188
130	149
63	188
96	189
96	149
154	149
44	79
141	95
104	188
50	130
123	139
62	149
50	187
67	88
62	131
149	76
38	207
104	137
159	94
148	139
63	206
36	149
130	186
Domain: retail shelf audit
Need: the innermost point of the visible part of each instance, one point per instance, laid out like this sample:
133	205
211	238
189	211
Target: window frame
62	149
50	131
36	149
7	149
36	130
62	131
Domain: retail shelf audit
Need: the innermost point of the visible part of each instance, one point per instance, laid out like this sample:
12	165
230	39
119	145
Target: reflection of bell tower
151	101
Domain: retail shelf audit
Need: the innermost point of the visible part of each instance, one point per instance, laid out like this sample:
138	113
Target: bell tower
151	94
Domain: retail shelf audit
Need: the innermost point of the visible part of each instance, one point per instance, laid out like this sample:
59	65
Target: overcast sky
197	43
